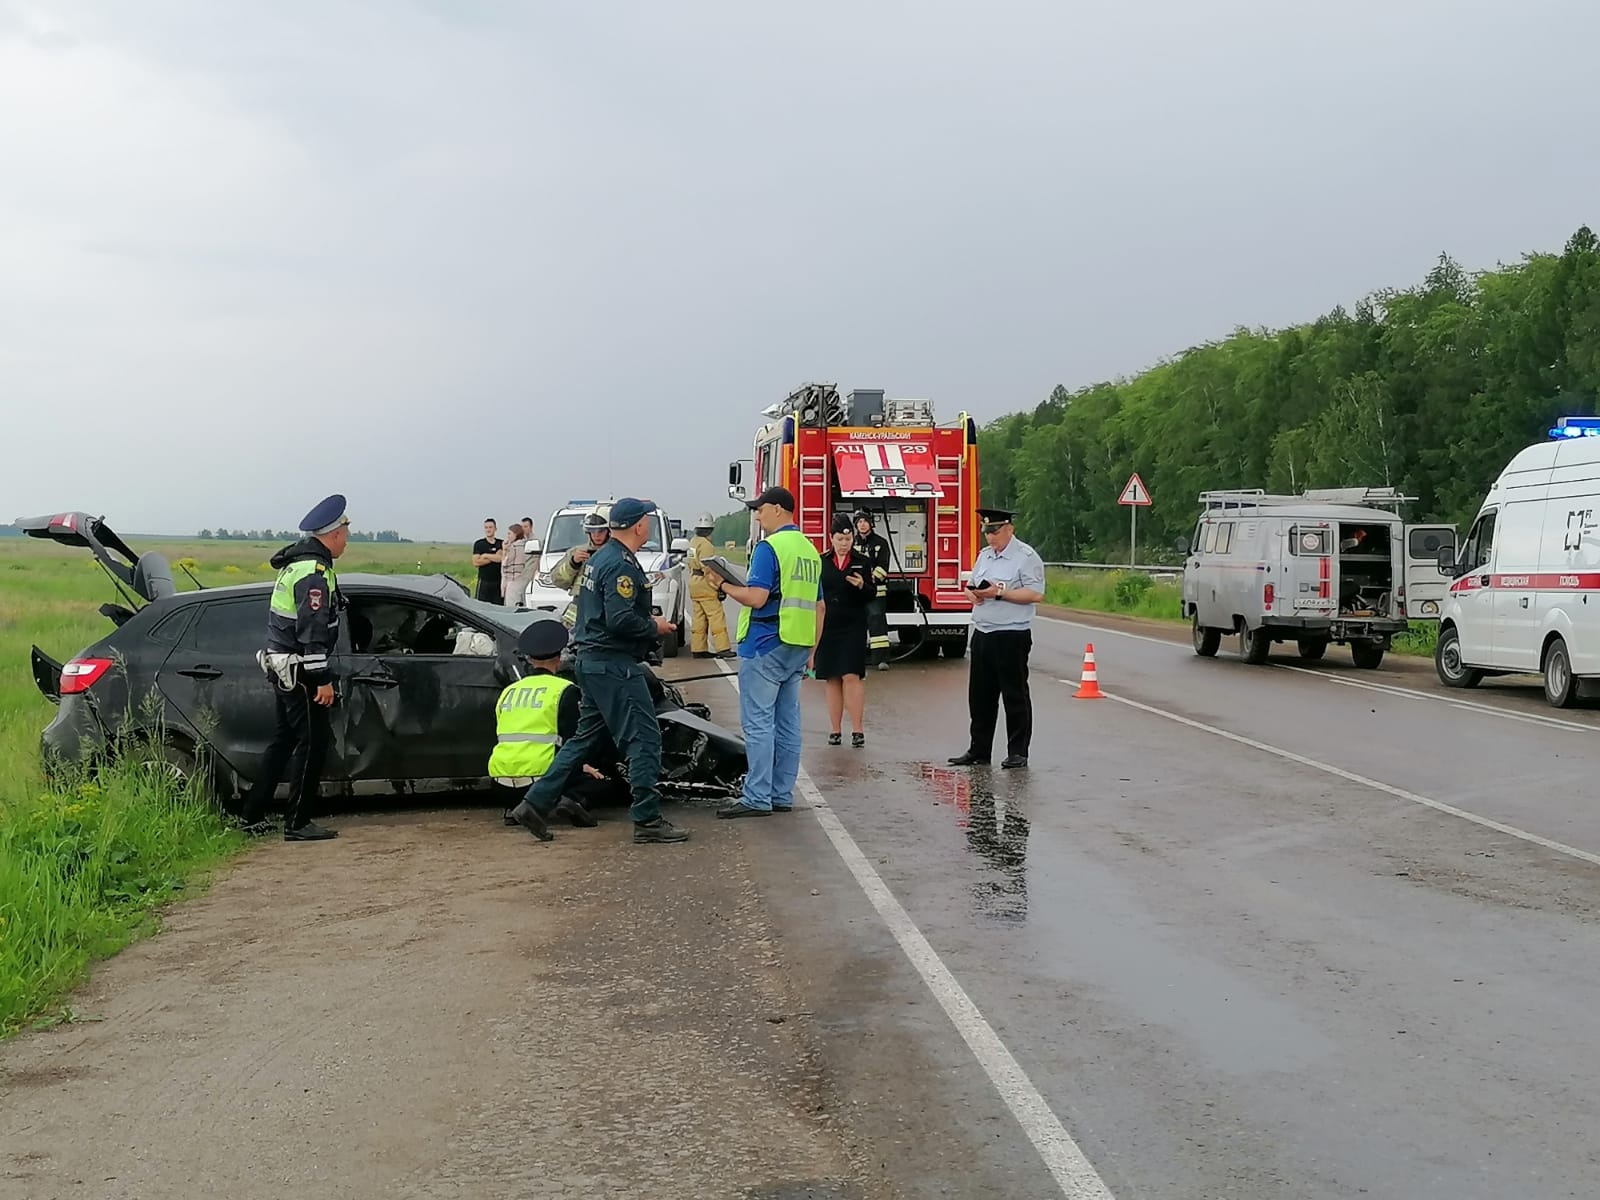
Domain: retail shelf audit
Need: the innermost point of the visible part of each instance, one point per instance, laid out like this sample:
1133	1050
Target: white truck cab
1524	595
1336	565
662	557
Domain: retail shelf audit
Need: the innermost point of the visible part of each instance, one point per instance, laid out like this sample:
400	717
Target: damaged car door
212	678
431	677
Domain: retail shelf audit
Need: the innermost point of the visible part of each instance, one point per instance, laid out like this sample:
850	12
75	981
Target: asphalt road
1353	953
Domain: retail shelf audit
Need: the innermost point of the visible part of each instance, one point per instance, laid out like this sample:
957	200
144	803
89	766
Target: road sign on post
1136	496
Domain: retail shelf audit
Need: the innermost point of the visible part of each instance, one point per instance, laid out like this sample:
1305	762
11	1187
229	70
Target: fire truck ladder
947	511
813	498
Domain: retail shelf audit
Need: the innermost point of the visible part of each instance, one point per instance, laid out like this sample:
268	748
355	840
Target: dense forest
1430	389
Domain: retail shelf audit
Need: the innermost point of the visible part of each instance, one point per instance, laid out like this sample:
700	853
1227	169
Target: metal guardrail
1146	568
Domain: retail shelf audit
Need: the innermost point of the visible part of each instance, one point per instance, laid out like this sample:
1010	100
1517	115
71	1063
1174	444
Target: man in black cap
1006	586
302	631
535	716
616	632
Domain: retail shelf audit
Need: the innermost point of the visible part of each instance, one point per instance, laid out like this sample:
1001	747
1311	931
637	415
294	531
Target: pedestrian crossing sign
1135	493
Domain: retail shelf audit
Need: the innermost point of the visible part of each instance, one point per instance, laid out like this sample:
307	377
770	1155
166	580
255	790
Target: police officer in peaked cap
302	631
614	634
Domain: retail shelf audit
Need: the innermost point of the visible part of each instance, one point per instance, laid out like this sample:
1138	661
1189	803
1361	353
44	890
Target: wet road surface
1265	968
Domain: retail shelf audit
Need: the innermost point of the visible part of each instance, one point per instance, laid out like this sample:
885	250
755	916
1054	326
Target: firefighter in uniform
302	631
615	634
874	547
534	716
707	605
568	573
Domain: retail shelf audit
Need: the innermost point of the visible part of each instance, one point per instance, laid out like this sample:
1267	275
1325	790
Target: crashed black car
418	669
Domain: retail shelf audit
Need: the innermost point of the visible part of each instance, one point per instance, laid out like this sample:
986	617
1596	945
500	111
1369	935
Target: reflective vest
283	589
526	718
799	581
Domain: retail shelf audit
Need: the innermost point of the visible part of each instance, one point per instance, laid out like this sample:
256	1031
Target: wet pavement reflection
997	828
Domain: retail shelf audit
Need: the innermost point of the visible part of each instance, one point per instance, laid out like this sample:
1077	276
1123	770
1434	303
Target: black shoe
858	740
969	759
782	808
738	808
309	832
508	818
700	654
255	829
575	813
1012	761
533	821
659	830
836	739
728	653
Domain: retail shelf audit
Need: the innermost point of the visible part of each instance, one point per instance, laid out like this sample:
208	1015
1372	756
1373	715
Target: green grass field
85	863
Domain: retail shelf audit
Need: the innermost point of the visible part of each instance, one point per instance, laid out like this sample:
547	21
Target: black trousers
1000	672
299	744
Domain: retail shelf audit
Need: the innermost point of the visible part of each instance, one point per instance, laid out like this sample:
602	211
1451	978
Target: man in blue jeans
778	631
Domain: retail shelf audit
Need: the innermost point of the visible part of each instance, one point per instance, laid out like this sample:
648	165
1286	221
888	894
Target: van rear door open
1426	585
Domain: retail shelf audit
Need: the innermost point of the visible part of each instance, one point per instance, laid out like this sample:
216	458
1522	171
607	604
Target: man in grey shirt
1006	586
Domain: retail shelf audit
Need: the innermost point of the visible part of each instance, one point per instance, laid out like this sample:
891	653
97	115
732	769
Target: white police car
662	557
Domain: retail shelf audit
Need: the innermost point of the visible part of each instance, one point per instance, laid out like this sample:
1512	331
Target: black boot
531	819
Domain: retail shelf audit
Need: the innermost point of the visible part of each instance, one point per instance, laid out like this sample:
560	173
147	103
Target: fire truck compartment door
887	469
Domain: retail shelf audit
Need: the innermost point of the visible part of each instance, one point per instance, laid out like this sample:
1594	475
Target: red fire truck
919	481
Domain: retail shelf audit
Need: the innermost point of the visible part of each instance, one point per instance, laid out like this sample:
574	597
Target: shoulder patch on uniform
321	568
625	586
314	598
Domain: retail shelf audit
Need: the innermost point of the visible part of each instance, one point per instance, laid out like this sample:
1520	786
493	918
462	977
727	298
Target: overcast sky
455	258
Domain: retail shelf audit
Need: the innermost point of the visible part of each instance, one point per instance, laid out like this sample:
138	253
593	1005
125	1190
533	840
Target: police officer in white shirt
1006	586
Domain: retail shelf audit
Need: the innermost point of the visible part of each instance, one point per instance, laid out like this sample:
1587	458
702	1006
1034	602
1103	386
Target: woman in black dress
841	654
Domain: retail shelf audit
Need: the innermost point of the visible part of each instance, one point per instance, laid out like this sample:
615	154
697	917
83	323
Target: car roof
437	586
1304	512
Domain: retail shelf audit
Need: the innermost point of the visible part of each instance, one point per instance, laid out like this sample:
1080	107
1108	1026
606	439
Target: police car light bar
581	503
1576	427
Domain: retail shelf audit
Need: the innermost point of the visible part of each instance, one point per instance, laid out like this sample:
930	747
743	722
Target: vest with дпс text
799	583
526	723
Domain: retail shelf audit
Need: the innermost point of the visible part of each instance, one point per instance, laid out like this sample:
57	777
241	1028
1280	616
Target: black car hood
147	574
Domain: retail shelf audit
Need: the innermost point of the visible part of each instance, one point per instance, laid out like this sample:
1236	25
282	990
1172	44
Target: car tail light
81	674
1268	595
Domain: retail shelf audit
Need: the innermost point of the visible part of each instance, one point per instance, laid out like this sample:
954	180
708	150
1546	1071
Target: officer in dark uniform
302	631
615	633
874	547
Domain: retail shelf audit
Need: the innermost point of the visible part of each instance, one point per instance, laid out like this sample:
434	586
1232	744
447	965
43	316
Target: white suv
662	557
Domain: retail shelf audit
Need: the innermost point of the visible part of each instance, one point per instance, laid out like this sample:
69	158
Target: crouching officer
535	716
302	631
874	547
615	633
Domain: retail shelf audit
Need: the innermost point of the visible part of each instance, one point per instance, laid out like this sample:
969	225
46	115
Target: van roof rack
1358	497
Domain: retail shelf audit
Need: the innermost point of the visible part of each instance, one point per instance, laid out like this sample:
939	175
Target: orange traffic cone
1089	688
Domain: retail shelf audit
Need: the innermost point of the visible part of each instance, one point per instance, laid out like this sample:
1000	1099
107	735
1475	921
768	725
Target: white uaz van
1525	594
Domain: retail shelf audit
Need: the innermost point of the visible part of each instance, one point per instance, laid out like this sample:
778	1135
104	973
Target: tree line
289	535
1430	389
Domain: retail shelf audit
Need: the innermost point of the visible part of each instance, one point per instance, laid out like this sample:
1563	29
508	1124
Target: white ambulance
1525	590
1330	566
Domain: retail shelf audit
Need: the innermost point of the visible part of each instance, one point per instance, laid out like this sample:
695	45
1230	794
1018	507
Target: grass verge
1136	594
83	865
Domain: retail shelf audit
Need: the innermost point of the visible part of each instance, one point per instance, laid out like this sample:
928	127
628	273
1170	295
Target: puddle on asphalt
996	826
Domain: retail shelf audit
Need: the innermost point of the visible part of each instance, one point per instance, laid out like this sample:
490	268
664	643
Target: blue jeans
769	710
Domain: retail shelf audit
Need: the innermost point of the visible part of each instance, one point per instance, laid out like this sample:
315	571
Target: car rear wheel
1254	645
1368	656
1447	664
1206	641
185	770
1560	688
1312	649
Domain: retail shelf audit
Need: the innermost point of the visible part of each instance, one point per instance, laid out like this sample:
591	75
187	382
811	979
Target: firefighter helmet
704	521
599	519
862	514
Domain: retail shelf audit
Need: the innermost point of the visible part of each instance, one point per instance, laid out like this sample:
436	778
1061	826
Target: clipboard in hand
732	572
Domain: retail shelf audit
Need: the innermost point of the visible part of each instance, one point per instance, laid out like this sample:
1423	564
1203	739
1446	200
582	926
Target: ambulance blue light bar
1576	427
592	503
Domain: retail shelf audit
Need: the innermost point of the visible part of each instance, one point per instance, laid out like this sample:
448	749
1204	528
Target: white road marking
1364	781
1062	1156
1487	710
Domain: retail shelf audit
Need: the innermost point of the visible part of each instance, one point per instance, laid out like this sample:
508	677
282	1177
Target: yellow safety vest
799	583
526	717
